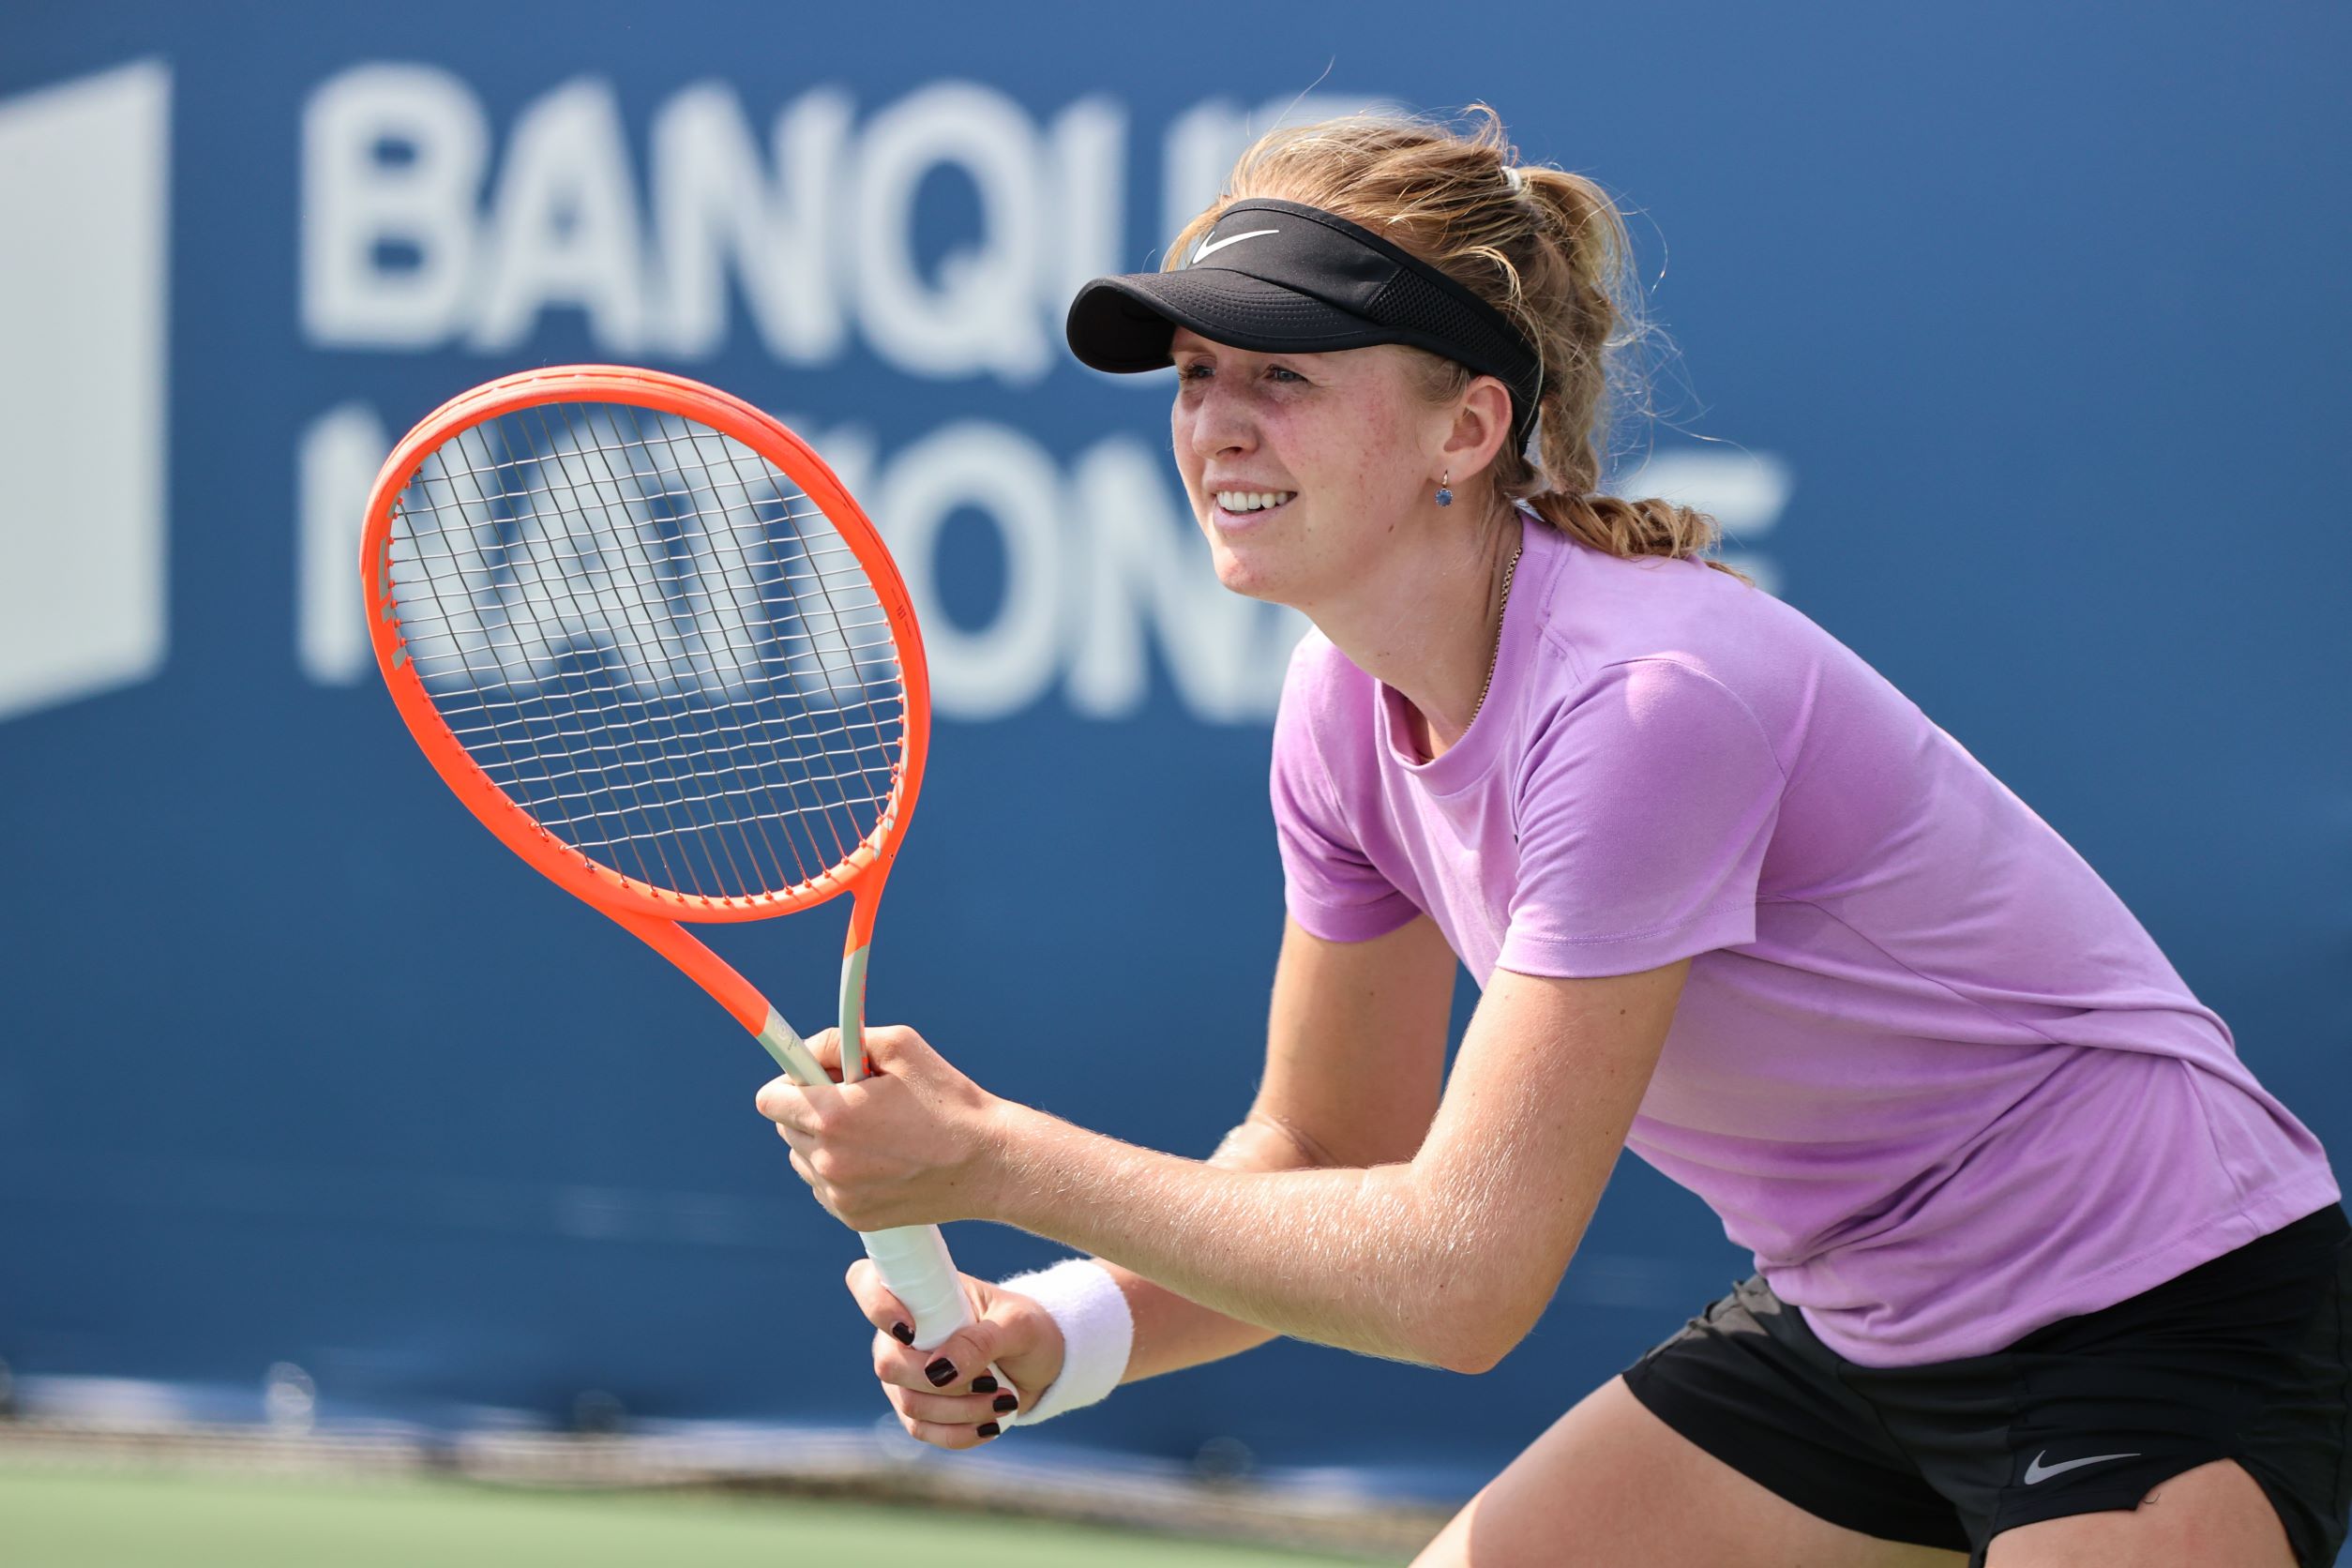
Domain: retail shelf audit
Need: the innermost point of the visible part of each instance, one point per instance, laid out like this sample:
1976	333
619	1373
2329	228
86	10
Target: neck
1425	619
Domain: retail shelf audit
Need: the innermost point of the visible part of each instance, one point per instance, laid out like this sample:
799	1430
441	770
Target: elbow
1470	1334
1469	1362
1468	1295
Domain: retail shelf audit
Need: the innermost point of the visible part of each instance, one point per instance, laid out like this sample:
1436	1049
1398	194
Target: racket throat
852	1014
791	1053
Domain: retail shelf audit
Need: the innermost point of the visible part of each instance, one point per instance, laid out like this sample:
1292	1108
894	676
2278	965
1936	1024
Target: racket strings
669	798
654	643
798	793
857	590
630	775
631	763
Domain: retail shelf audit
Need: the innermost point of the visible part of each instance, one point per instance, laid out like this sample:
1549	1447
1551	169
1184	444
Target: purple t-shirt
1926	1066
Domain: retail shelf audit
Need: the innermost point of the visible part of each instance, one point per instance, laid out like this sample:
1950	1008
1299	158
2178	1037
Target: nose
1221	422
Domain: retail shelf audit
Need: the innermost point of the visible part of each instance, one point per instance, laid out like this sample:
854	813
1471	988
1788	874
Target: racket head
646	636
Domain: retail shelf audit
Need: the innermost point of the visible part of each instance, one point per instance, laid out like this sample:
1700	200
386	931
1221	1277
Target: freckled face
1342	444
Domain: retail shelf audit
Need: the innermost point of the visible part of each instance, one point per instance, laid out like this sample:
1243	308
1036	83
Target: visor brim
1122	325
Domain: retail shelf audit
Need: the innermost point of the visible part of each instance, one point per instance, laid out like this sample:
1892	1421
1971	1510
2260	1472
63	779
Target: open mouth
1253	502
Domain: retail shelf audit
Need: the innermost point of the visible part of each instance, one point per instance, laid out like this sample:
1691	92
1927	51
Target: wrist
1003	1173
1090	1312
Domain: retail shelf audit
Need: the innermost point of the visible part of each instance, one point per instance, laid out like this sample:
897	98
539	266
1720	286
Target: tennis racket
647	637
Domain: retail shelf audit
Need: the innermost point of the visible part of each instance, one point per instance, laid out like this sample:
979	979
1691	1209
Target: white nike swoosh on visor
1209	247
2040	1471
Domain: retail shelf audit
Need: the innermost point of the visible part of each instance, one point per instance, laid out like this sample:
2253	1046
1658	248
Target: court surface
147	1518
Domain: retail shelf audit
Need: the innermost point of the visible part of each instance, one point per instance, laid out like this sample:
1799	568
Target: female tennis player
2043	1276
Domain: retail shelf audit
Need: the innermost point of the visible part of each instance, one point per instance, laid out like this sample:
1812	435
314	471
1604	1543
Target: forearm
1367	1260
1355	1056
1172	1333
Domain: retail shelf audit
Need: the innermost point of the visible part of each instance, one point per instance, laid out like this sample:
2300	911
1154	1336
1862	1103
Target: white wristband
1097	1333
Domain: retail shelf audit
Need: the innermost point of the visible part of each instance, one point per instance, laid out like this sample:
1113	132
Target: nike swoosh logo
1210	246
2040	1471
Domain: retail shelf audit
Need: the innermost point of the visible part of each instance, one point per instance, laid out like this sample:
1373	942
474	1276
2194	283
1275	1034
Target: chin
1246	573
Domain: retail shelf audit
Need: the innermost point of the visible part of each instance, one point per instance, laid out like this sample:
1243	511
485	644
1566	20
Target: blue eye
1197	371
1284	373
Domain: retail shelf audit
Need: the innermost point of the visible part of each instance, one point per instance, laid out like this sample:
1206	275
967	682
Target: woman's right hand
946	1396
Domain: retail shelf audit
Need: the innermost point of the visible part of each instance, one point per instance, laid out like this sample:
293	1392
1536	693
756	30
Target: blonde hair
1547	248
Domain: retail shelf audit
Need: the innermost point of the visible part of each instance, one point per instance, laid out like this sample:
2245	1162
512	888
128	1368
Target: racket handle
912	1259
914	1263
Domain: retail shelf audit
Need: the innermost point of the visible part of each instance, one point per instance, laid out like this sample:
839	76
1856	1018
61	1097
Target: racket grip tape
914	1262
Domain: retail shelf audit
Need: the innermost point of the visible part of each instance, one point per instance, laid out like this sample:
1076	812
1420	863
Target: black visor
1278	278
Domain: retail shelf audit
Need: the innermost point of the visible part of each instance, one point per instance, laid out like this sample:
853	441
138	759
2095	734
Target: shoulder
1318	668
1676	642
1600	610
1322	690
1648	729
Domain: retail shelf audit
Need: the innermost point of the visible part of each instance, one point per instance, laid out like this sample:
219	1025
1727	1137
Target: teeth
1252	501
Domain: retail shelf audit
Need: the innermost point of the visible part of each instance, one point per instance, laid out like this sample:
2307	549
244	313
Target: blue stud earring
1445	488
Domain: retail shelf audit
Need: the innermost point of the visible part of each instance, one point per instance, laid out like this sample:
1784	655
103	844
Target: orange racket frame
914	1261
648	911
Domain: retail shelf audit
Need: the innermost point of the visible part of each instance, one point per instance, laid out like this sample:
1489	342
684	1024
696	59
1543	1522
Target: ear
1481	425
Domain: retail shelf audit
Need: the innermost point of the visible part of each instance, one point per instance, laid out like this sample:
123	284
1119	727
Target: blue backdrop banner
2007	342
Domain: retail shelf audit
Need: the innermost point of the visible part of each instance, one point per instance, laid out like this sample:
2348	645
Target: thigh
1610	1485
2214	1514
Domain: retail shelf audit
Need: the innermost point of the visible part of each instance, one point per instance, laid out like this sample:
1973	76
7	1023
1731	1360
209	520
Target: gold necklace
1503	605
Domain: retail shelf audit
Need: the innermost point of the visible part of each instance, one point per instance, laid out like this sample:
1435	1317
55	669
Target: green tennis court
151	1519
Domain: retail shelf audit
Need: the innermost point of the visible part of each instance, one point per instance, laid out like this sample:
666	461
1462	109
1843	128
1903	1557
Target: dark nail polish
942	1372
984	1383
902	1334
989	1428
1005	1402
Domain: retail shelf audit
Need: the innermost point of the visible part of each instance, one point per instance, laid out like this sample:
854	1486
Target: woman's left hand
913	1143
